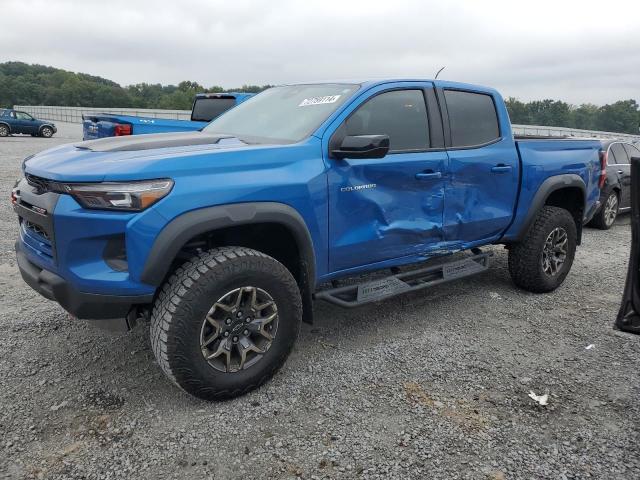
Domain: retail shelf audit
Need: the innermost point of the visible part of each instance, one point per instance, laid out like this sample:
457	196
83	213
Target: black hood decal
131	143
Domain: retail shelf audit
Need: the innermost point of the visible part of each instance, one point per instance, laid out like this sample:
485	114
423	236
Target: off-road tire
600	219
186	297
4	130
525	257
46	132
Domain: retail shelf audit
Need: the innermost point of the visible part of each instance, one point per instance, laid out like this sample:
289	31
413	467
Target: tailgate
97	127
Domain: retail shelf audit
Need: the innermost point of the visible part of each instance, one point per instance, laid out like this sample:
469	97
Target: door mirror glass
362	146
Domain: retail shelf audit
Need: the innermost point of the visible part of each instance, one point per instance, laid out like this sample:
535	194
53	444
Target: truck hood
132	157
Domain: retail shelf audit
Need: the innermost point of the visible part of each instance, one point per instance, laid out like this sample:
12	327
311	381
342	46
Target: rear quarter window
472	118
617	149
631	151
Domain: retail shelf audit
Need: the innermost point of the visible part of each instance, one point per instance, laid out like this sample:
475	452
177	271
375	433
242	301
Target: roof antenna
438	73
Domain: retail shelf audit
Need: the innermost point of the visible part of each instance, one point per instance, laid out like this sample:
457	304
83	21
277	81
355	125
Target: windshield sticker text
319	100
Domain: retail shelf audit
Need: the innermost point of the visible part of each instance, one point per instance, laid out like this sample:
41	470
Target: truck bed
100	126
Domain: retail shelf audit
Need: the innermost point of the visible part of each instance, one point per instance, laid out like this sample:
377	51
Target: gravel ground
427	385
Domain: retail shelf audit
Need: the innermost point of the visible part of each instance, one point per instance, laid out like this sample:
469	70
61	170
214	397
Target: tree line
24	84
621	117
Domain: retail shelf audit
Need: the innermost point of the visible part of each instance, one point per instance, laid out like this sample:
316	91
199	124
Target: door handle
501	168
620	172
428	175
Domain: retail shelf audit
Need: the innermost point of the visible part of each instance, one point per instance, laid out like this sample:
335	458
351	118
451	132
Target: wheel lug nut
248	319
246	332
235	339
239	314
227	321
226	334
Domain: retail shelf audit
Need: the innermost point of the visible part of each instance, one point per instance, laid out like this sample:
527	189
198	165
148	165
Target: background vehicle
206	107
222	237
13	121
628	318
615	195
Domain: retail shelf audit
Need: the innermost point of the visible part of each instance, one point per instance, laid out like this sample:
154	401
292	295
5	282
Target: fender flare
188	225
550	185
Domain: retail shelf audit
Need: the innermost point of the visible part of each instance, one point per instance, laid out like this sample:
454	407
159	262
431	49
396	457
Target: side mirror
362	146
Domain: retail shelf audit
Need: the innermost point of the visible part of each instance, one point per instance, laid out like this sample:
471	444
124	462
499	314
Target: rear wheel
541	261
606	216
225	322
46	132
4	131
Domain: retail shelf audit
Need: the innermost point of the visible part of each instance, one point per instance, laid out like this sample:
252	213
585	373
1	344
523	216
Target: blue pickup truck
345	192
206	107
15	121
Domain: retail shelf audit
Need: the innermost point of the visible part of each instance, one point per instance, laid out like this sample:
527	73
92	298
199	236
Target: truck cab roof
372	82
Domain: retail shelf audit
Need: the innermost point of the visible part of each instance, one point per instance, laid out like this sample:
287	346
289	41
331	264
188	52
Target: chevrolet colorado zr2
224	237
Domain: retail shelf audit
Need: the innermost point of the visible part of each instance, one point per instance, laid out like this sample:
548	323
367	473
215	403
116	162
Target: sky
577	51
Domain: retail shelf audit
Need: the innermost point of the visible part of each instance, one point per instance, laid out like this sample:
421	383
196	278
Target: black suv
615	195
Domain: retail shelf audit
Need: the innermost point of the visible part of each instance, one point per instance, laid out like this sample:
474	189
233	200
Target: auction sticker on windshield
319	100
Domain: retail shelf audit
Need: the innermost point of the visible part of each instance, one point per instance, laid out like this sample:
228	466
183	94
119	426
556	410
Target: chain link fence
74	114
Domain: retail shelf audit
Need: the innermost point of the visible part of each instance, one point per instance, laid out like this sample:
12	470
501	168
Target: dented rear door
483	167
391	207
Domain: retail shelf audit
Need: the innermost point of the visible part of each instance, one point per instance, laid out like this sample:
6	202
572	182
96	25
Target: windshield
284	114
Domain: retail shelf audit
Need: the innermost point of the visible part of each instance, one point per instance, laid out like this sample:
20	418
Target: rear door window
400	114
618	151
472	118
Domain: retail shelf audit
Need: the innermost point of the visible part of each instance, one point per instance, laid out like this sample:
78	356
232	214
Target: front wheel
225	322
542	260
46	132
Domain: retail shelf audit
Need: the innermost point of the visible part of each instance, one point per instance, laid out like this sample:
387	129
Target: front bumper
79	304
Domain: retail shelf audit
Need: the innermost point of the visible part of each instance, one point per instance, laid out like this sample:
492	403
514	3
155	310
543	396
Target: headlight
130	196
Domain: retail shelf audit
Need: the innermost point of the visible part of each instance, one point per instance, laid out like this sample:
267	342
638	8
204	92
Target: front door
385	208
25	123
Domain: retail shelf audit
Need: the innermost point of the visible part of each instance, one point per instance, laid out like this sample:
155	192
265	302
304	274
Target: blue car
14	121
223	238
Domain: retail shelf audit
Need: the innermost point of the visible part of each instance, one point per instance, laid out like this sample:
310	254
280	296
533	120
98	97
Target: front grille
37	229
43	185
40	184
36	240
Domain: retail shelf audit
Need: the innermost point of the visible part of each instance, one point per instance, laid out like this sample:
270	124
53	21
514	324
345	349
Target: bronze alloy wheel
554	252
239	329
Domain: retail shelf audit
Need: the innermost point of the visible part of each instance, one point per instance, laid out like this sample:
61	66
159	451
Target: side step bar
360	293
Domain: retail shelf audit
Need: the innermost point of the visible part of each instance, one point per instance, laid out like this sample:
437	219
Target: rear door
483	181
623	172
385	208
